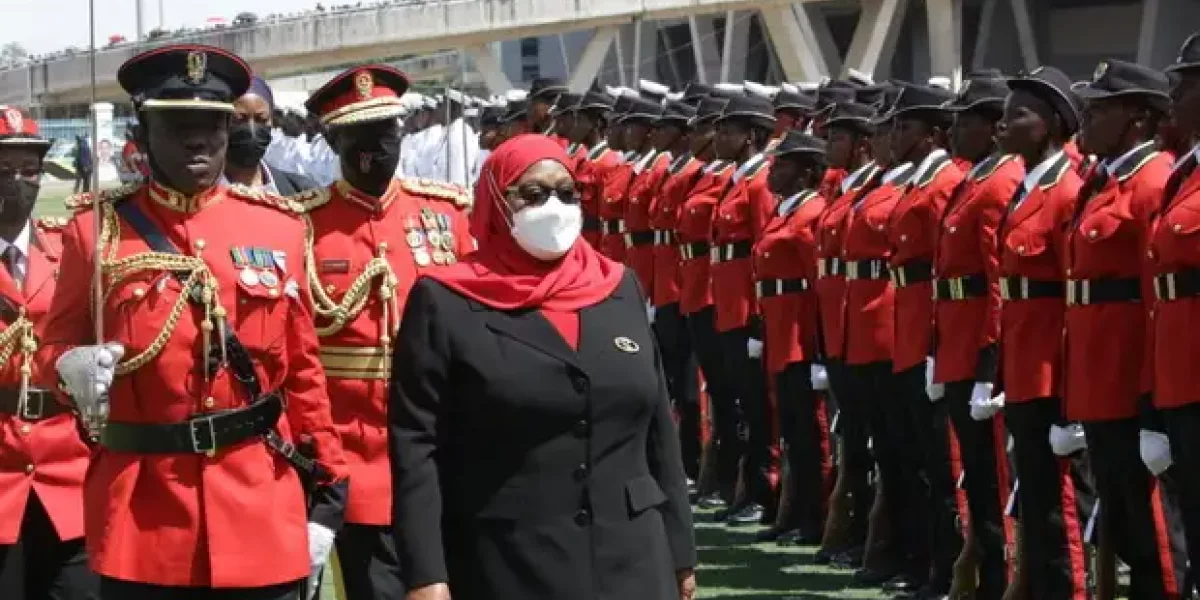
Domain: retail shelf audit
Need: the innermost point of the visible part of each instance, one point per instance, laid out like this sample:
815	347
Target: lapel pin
626	345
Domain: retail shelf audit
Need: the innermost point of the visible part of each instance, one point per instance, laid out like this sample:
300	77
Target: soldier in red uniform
849	130
739	220
1108	285
1040	116
42	458
370	237
206	377
589	132
903	448
785	268
649	173
1176	260
615	183
543	96
675	342
694	236
967	326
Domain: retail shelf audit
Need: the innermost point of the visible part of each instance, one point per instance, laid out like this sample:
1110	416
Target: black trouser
1128	497
370	567
722	398
1051	533
855	388
981	446
116	589
803	427
931	519
679	367
750	379
41	566
1183	427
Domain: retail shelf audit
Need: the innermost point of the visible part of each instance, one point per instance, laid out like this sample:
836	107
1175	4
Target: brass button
728	217
1149	254
274	293
199	244
953	229
139	292
29	468
209	402
1177	228
1020	249
1069	272
766	255
903	237
879	228
383	246
26	428
1093	233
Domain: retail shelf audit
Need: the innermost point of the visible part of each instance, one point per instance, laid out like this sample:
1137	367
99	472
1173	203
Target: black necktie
12	257
1175	182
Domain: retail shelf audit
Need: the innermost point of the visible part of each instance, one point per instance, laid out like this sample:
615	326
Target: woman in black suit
531	438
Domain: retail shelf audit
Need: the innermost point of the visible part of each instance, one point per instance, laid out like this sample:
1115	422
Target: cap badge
1101	69
197	67
16	122
626	345
364	84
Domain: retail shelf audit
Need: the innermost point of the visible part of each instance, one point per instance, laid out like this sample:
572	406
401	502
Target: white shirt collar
268	183
927	162
1037	173
22	241
1115	164
896	172
852	179
748	166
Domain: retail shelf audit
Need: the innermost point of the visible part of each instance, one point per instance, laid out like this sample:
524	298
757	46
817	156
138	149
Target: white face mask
548	231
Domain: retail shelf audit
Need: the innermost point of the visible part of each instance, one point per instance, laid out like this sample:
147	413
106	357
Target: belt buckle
822	267
1004	292
957	289
1070	292
27	401
778	287
758	289
835	266
852	270
714	254
1085	291
1171	293
199	445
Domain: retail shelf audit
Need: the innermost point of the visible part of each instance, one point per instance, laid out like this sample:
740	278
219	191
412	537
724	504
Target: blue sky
46	25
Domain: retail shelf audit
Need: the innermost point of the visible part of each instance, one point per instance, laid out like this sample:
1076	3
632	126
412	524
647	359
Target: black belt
960	288
873	268
39	404
612	226
830	267
727	252
1024	288
694	250
1177	285
201	434
913	271
769	288
591	224
1082	292
638	238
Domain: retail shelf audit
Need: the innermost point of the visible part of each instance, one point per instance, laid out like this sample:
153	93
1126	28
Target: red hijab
500	273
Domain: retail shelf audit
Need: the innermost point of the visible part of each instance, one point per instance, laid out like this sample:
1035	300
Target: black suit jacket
289	183
526	469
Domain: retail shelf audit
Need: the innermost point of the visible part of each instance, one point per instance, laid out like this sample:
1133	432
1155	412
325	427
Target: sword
95	416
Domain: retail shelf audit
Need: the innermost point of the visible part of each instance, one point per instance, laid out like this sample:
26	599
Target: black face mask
17	197
374	158
248	143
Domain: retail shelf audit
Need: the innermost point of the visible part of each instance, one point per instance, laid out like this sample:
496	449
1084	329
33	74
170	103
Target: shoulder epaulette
84	201
994	164
257	196
51	223
310	200
438	189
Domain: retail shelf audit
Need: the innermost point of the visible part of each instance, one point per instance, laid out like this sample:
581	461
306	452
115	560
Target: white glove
1065	441
983	405
87	372
1156	451
819	376
935	391
650	312
320	543
754	348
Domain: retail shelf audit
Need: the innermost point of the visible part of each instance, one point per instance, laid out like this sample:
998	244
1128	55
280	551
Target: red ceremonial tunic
416	226
665	212
695	236
1031	344
615	186
741	216
592	172
1107	241
913	229
785	267
831	277
236	518
44	456
831	182
639	234
968	329
869	326
1175	257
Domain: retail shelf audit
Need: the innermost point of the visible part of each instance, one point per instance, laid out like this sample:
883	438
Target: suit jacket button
581	472
583	517
582	428
580	383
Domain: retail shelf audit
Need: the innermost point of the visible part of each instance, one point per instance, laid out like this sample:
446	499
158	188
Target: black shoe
932	591
873	577
848	559
711	501
770	534
751	514
796	537
902	584
823	557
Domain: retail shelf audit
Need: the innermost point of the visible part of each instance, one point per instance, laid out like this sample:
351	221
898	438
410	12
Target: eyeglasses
535	194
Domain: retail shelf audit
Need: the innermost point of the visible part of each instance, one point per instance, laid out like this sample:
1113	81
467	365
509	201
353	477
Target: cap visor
159	104
366	115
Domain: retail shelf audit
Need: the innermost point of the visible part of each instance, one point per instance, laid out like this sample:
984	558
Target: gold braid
19	336
356	296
